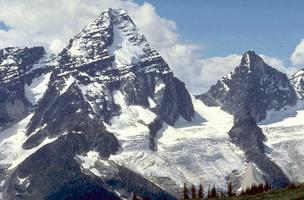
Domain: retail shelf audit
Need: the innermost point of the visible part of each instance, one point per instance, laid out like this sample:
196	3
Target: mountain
106	117
105	69
253	87
250	93
109	61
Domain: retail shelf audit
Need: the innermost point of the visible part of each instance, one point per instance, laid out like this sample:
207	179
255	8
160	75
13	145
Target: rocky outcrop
18	68
253	87
249	137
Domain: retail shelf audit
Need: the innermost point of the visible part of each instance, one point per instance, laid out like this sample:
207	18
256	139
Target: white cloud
42	22
214	68
297	57
203	73
53	23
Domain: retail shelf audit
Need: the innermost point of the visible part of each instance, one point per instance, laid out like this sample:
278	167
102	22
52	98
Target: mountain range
106	117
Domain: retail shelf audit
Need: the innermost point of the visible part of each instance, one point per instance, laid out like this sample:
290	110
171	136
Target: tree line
198	193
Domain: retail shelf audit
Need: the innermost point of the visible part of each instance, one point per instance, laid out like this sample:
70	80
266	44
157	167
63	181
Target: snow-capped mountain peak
114	37
250	60
108	57
108	73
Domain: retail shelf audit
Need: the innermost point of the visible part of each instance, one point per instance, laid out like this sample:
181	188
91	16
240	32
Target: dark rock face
94	66
155	126
252	87
59	115
16	70
297	80
249	137
53	167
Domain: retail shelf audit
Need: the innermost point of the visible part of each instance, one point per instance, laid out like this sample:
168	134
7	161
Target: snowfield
35	91
11	140
285	138
190	152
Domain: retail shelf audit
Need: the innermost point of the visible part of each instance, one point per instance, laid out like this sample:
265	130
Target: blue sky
3	26
272	27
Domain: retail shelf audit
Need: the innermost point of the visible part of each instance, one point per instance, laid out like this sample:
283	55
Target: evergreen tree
209	192
193	191
213	192
267	187
185	192
200	191
134	196
230	192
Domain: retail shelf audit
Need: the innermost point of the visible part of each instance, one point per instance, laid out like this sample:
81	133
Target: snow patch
68	83
130	127
92	162
126	53
159	87
8	61
35	91
11	151
151	103
284	131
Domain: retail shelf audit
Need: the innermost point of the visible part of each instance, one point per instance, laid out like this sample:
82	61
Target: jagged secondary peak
253	87
297	80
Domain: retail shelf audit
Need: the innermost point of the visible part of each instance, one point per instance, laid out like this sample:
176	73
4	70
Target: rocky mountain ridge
253	87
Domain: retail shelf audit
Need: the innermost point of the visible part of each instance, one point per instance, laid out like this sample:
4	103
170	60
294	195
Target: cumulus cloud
52	23
297	57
